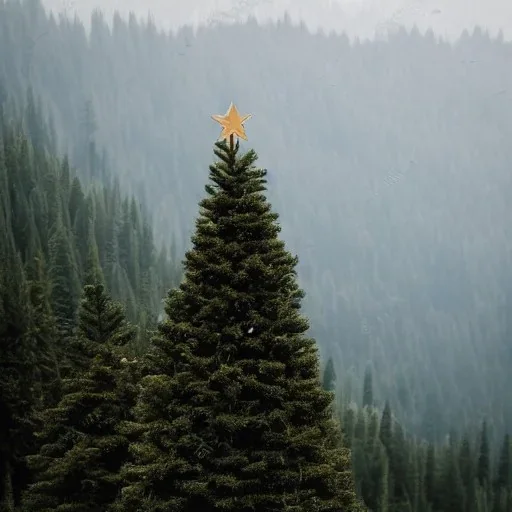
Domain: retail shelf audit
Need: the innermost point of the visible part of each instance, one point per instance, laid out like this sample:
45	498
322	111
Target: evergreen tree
45	218
386	427
93	272
368	387
503	477
430	475
34	121
329	378
65	282
348	425
77	466
386	438
17	373
241	422
384	484
452	491
483	468
467	472
398	464
43	331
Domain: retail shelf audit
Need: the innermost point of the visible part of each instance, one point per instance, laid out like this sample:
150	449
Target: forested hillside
396	472
63	234
389	161
85	425
57	235
86	419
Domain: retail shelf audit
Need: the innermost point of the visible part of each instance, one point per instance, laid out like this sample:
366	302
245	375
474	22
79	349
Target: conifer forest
315	319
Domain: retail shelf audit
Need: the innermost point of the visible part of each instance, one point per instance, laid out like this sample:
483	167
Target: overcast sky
361	18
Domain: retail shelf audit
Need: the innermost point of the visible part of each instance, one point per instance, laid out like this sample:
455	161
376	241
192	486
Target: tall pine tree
77	467
240	422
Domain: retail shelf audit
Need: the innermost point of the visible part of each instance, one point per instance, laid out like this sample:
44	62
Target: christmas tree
234	417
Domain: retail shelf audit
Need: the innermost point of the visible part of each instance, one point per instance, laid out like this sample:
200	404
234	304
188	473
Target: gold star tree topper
232	123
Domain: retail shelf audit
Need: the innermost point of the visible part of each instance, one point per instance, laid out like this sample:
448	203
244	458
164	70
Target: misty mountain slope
389	163
358	18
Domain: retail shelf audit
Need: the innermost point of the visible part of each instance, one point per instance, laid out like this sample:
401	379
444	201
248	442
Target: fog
358	18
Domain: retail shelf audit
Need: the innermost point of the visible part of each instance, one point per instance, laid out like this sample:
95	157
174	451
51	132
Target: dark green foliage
363	227
77	467
101	320
64	277
419	477
43	330
451	489
58	232
17	369
48	247
240	422
430	474
77	234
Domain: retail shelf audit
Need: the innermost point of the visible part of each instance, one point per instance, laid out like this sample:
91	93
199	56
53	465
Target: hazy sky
357	17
